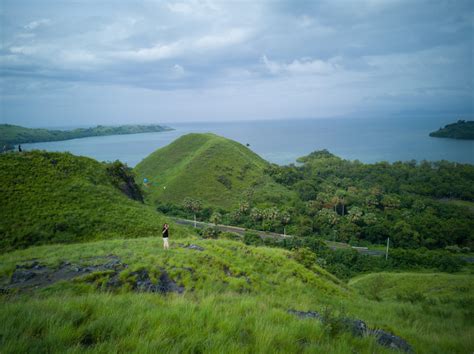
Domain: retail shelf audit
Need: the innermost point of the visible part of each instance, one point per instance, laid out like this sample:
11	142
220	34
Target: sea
368	140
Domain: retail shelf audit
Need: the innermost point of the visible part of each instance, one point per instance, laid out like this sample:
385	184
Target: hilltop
58	197
460	130
14	134
215	170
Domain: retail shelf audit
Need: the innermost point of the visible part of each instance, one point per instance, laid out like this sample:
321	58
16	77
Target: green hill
422	288
207	296
215	170
58	197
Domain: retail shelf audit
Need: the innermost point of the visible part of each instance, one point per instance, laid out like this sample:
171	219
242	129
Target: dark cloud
231	60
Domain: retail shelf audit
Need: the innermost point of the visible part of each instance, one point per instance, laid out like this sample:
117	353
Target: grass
58	197
213	169
221	311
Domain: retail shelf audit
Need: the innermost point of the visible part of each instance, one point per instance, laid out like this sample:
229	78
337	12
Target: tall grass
221	311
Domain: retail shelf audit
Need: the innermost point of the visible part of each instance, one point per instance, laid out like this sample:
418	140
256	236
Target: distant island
13	134
460	130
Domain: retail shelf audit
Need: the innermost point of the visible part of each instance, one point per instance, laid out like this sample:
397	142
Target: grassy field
58	197
215	170
235	300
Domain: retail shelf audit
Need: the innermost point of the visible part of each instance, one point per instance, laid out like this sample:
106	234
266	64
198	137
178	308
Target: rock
195	247
359	328
167	285
21	276
391	341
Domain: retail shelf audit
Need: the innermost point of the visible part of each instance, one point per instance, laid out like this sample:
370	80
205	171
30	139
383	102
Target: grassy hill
15	134
232	298
57	197
418	288
213	169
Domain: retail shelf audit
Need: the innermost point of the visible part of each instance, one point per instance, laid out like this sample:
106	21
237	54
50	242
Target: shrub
252	238
304	256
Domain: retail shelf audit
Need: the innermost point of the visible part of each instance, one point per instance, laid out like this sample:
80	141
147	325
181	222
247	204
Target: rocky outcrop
359	328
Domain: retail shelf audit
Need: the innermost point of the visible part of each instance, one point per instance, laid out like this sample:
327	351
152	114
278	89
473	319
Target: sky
117	62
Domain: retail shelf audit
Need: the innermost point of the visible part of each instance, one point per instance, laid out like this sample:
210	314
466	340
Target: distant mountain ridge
215	170
462	129
15	134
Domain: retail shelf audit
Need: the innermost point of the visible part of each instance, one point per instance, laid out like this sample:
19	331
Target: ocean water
283	141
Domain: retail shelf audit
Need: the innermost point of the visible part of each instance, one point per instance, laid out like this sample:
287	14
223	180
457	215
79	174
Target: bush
210	232
304	256
252	238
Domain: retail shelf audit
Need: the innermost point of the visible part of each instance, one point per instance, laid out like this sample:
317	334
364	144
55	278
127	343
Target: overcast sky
113	62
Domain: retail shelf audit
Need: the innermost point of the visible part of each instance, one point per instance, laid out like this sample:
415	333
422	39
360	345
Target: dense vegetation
460	130
346	262
215	170
414	204
13	134
57	197
235	300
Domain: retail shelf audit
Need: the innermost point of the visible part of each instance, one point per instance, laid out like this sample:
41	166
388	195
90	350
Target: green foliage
123	178
210	168
210	232
14	134
57	197
305	256
252	238
353	202
460	130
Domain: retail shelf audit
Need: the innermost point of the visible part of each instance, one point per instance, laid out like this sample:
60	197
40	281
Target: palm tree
285	219
215	218
192	205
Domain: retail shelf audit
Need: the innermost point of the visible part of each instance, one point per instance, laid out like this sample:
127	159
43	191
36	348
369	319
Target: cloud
360	51
230	37
304	66
156	52
35	24
178	70
180	7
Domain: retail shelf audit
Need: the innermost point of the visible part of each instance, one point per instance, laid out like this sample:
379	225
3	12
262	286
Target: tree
404	236
355	214
192	205
244	207
256	214
285	220
215	218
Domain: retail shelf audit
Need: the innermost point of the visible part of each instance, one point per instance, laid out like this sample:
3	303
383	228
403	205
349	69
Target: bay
283	141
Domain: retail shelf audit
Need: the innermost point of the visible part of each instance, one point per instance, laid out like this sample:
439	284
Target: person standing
19	148
165	233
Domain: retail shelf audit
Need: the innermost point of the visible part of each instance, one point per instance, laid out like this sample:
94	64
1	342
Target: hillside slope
213	169
58	197
207	296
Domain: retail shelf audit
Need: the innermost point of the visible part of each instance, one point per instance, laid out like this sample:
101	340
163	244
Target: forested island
13	134
462	129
